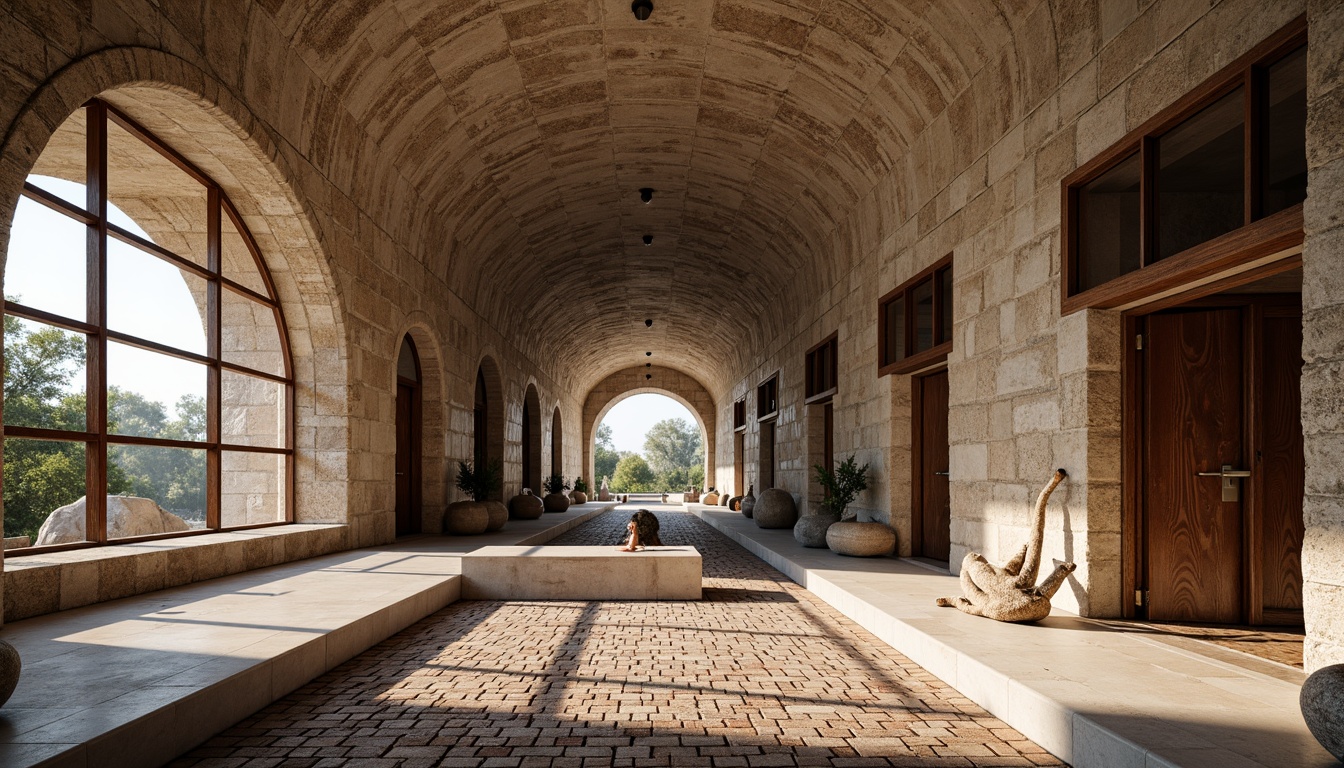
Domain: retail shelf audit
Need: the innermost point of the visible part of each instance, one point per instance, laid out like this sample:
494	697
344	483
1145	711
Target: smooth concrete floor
1092	694
138	681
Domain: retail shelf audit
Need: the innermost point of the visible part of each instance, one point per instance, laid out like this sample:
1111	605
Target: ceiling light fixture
648	323
648	376
646	194
648	354
648	239
642	9
648	365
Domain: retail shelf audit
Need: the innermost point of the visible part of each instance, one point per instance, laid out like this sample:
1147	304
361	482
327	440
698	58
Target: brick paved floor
759	673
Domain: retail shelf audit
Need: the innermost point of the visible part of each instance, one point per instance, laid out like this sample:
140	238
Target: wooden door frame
417	454
1134	534
917	458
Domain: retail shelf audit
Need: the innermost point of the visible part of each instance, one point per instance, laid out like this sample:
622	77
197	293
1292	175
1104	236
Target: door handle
943	474
400	474
1231	488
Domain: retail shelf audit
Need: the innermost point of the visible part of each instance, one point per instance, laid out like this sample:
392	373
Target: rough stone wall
675	384
1323	339
1029	390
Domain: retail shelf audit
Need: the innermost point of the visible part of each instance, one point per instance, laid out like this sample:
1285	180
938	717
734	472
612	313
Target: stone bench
581	573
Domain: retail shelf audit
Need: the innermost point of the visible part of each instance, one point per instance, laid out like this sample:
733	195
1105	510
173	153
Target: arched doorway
531	442
408	462
488	418
557	444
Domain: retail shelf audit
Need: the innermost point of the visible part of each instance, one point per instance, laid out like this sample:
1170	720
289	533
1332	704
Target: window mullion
1147	201
96	459
1254	96
213	403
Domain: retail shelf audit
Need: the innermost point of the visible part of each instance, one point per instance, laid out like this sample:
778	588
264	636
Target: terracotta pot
578	497
466	518
775	509
526	506
499	515
861	539
555	502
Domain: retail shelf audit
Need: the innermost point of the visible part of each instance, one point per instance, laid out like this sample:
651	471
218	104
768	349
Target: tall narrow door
408	461
933	502
1281	470
1194	427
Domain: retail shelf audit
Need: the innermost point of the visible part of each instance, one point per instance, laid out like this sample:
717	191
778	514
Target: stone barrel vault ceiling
529	127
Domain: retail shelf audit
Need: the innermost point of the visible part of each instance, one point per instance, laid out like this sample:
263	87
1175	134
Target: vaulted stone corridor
308	304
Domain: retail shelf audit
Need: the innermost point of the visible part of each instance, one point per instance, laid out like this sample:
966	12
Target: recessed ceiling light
646	194
648	375
648	354
642	9
648	323
648	239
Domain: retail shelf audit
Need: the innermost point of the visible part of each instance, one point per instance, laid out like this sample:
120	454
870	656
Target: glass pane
152	489
922	296
152	299
60	169
251	488
1283	154
252	411
154	395
1108	225
45	377
1200	178
153	197
895	322
945	305
47	264
251	336
238	264
44	481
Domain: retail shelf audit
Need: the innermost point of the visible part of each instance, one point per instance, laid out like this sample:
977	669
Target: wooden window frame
761	397
822	370
936	354
1258	239
96	438
740	415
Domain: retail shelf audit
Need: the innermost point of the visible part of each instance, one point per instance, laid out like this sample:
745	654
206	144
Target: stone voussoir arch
662	381
169	95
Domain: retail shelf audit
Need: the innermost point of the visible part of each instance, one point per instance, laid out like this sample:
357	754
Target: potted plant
555	499
580	493
478	513
839	528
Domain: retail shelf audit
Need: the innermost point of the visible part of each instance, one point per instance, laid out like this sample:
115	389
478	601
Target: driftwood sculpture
1011	593
643	528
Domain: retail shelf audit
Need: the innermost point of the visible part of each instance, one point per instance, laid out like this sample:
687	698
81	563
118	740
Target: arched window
148	386
557	444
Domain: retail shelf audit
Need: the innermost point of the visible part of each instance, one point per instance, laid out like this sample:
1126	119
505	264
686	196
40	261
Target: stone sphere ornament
810	530
10	667
861	539
526	506
1322	702
775	509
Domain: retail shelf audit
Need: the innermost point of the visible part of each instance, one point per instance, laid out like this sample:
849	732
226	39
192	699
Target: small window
820	365
766	398
740	414
915	321
1229	158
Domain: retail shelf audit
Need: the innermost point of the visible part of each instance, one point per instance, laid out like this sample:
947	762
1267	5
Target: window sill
46	582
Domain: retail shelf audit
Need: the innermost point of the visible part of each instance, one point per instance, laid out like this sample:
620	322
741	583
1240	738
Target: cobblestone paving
759	673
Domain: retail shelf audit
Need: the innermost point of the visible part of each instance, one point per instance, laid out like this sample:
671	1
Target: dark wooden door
1193	407
1280	471
933	494
408	460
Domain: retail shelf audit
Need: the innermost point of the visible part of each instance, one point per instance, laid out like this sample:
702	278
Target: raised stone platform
581	573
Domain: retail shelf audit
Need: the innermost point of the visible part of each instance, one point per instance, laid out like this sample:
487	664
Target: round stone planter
526	506
10	666
735	503
861	539
499	515
710	499
723	499
810	530
578	497
555	502
775	509
1322	701
466	518
748	506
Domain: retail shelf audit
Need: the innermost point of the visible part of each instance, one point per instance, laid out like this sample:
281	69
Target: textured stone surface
498	515
1323	707
555	502
810	530
775	509
466	518
567	573
127	516
526	506
11	666
861	539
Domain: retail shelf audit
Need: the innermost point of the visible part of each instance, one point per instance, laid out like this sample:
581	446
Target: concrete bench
581	573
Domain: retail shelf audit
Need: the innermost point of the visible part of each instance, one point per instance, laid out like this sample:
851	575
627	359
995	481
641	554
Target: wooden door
1193	412
933	499
408	460
1280	468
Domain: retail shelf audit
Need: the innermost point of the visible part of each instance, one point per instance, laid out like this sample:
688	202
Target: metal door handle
400	474
1231	488
1229	472
943	474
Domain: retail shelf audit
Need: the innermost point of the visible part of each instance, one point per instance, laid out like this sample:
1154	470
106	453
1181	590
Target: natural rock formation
775	509
1322	702
1010	593
126	516
526	506
861	539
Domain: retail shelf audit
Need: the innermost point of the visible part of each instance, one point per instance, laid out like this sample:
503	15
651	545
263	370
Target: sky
631	418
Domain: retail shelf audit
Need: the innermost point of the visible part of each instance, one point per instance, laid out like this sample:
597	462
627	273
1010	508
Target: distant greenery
605	456
41	366
633	476
676	459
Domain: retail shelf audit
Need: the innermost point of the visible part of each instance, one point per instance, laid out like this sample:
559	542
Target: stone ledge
581	573
39	584
1091	695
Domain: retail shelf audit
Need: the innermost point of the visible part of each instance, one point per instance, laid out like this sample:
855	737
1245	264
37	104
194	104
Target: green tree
633	475
673	444
605	457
